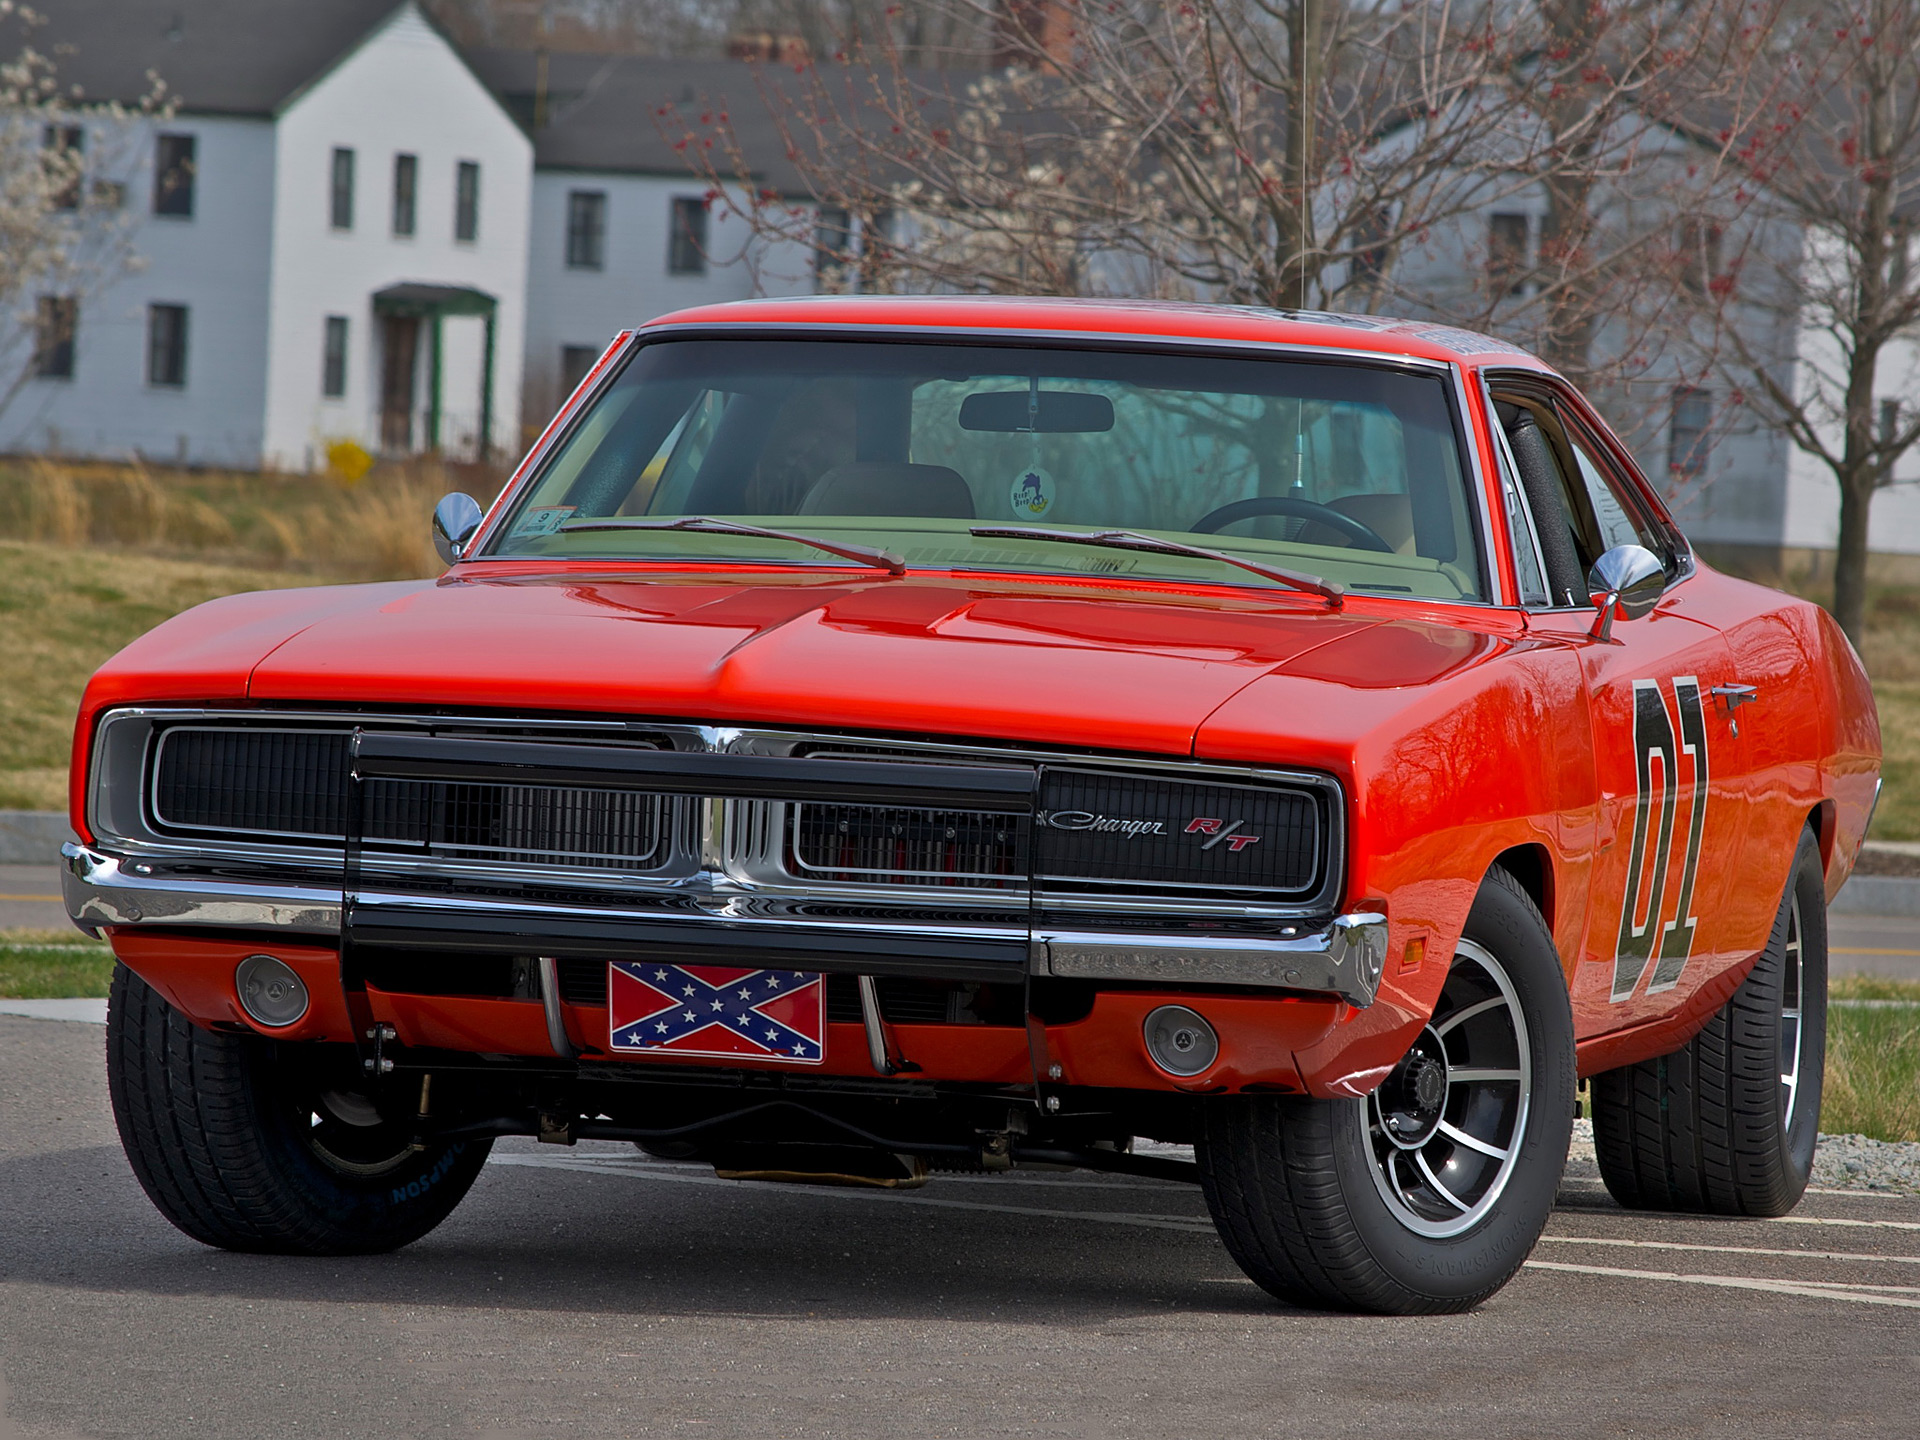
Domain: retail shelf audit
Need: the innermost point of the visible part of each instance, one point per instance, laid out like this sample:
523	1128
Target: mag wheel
1727	1124
249	1150
1427	1195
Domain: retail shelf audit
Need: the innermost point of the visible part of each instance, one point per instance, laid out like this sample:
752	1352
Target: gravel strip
1853	1162
1842	1162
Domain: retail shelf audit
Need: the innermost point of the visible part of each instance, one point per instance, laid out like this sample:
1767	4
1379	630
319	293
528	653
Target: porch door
401	335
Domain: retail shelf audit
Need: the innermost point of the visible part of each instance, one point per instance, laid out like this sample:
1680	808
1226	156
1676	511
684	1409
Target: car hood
1086	665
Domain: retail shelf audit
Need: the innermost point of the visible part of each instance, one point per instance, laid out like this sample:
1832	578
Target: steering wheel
1359	537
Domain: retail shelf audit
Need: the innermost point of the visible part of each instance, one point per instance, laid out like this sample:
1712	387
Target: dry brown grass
374	528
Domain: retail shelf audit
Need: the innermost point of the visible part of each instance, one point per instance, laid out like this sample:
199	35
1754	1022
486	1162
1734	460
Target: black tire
1711	1128
1309	1195
225	1138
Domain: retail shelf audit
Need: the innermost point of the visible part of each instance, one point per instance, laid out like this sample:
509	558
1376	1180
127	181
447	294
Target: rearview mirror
455	519
1628	581
1042	412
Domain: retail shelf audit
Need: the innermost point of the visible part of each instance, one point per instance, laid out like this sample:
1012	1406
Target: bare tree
1266	151
1300	153
1831	151
65	233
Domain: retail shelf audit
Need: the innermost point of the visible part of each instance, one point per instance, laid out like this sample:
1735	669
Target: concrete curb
1878	895
90	1012
32	837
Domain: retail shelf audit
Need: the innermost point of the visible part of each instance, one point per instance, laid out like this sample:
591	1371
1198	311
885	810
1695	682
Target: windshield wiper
880	559
1330	591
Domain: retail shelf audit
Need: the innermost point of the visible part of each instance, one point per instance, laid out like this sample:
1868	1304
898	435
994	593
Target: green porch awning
433	303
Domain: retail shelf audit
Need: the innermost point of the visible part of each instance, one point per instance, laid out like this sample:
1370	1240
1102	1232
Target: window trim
699	244
340	197
466	202
597	233
330	325
190	167
154	307
1481	518
406	202
1581	423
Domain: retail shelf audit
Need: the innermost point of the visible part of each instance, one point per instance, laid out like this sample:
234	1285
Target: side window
1615	517
1538	445
1526	553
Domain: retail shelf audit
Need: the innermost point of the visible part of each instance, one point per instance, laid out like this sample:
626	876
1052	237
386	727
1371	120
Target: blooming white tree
66	231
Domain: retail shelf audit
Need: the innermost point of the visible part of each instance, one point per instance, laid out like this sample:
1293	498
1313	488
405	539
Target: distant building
333	241
351	230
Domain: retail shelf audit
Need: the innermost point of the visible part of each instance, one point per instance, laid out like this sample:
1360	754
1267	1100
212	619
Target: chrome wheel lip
1793	1000
1368	1117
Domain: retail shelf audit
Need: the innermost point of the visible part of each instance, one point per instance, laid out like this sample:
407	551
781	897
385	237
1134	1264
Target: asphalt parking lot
591	1292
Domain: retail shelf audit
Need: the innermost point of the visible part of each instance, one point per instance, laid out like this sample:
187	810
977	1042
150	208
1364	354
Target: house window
575	362
1370	232
406	175
173	175
687	241
832	243
1507	252
1889	421
60	147
55	320
167	345
466	201
1687	432
586	229
333	363
1699	253
340	206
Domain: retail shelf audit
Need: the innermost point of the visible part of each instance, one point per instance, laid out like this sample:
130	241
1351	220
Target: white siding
1813	496
214	262
402	91
576	307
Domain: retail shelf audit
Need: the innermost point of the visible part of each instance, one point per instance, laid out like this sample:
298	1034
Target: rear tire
1727	1124
1373	1204
242	1150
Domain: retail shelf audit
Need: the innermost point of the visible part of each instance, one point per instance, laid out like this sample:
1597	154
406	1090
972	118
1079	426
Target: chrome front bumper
1345	957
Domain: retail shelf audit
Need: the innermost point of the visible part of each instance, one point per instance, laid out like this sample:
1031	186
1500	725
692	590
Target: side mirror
1628	581
455	519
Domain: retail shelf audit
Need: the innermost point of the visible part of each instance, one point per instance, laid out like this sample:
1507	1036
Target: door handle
1732	697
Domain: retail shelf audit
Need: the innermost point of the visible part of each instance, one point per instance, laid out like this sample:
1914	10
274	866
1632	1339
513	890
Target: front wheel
1428	1195
247	1150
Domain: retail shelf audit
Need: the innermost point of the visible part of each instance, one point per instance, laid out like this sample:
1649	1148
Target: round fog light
1180	1041
269	991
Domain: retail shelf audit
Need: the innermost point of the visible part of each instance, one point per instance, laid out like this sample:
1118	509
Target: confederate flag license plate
721	1011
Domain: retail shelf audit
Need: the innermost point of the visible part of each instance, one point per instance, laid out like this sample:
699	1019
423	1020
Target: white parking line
1730	1249
1837	1220
640	1170
1807	1290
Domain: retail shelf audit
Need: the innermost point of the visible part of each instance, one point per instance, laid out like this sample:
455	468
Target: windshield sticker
543	519
1032	494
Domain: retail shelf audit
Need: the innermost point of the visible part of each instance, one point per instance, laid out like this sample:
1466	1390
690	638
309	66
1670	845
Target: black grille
294	783
1130	829
862	844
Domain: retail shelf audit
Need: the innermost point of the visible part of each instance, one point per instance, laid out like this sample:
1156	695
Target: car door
1668	759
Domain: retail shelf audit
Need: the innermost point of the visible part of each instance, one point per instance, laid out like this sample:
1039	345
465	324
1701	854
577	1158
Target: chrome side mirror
455	519
1628	581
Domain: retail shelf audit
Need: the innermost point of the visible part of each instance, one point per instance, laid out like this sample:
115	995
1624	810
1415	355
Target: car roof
1168	319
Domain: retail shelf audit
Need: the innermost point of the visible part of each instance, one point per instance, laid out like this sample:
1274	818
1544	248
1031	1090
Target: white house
332	242
623	229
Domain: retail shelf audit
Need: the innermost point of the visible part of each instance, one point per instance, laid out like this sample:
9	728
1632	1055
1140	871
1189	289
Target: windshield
1350	472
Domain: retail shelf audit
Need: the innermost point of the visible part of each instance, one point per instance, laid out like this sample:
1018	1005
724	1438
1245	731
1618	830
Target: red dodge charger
872	737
